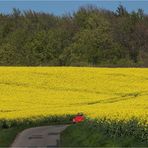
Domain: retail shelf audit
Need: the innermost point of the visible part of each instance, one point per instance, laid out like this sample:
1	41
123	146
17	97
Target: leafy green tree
121	11
7	54
89	37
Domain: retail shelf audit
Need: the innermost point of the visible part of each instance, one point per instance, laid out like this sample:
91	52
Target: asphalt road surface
44	136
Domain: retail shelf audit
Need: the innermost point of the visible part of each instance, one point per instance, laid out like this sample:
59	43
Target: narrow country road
44	136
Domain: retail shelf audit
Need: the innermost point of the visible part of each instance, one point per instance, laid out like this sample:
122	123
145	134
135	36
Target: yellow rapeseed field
119	93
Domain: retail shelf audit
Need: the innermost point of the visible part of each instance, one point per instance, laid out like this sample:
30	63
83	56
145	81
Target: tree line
89	37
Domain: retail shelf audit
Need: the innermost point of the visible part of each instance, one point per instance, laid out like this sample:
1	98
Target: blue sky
59	7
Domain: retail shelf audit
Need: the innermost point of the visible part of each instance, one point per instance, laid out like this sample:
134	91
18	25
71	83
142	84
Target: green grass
101	134
7	136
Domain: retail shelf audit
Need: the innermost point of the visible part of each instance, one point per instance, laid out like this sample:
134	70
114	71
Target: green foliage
121	11
88	37
7	136
35	121
105	133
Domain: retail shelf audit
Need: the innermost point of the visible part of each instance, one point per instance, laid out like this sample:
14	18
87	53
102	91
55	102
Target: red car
78	118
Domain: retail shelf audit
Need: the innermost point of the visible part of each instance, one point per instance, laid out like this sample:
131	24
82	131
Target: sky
60	7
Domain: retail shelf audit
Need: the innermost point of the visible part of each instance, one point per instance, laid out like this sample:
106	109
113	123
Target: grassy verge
102	133
7	136
9	129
